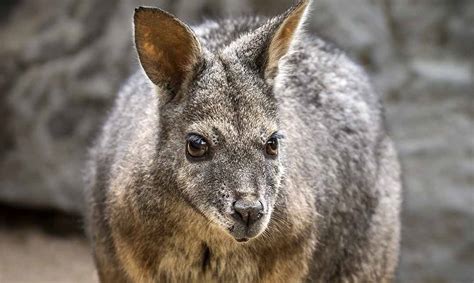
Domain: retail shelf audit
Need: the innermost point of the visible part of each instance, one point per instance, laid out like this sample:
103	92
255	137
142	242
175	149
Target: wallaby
245	151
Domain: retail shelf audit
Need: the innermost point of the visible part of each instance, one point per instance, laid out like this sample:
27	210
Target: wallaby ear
284	36
167	48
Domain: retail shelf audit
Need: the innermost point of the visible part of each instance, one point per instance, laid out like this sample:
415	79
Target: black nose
248	211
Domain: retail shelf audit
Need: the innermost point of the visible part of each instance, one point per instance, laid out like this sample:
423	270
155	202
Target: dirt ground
43	247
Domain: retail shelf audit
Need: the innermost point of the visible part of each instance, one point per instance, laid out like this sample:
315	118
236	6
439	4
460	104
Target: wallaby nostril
242	215
248	211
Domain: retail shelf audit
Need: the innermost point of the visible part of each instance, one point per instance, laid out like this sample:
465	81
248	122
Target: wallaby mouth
245	233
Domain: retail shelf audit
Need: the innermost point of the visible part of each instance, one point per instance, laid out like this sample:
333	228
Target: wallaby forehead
216	35
227	100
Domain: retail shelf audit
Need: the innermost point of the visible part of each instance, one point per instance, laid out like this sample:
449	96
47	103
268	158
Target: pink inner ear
167	48
283	38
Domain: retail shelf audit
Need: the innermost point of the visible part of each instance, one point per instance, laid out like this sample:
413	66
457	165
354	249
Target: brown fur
329	199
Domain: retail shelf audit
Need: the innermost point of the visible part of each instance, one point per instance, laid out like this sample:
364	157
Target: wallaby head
219	135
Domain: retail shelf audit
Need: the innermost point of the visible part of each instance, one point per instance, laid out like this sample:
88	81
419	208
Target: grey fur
332	196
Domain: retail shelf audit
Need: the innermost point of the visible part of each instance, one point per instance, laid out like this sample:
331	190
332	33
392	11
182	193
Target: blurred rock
62	62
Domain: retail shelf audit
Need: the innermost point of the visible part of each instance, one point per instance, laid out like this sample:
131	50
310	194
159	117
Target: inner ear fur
167	48
284	36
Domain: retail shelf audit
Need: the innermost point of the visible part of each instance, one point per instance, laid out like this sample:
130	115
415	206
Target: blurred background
62	61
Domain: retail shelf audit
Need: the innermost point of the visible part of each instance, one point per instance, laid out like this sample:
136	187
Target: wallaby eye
196	146
271	147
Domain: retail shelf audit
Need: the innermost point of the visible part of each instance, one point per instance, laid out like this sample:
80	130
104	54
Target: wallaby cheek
202	187
191	183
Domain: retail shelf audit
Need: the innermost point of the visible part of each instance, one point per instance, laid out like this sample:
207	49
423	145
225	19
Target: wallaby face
229	165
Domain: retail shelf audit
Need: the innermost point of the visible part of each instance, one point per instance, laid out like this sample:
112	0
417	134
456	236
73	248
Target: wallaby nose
247	211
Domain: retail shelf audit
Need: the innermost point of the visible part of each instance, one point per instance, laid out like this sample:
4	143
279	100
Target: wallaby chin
243	151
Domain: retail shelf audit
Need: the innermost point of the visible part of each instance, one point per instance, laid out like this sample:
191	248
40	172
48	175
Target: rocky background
62	61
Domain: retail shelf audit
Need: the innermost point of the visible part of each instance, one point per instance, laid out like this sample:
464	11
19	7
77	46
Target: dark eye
196	146
271	146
